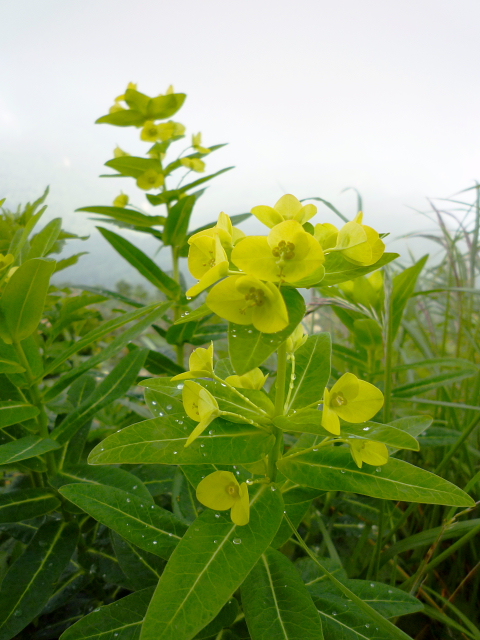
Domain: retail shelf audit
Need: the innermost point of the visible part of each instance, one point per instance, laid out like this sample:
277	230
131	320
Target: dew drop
202	445
237	473
249	331
217	515
155	542
154	404
175	453
315	449
18	613
180	422
169	407
128	500
372	584
273	488
135	487
170	535
215	541
390	591
366	428
378	469
334	613
367	626
211	432
237	541
141	505
342	470
180	386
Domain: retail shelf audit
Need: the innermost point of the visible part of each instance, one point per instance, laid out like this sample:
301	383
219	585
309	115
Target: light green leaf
340	270
42	243
176	225
114	386
190	594
142	569
24	504
13	411
135	519
29	582
403	288
189	316
129	216
333	469
165	106
249	348
124	118
133	166
312	371
23	299
121	620
162	441
385	433
276	603
25	448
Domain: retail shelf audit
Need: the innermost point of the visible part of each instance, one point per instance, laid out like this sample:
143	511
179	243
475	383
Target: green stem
277	450
239	394
177	312
454	449
292	378
387	378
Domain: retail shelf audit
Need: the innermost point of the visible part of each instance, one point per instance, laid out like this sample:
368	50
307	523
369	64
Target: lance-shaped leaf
110	476
25	504
162	441
249	348
25	448
142	569
338	270
23	299
277	604
42	242
333	469
137	520
176	225
403	288
129	216
13	411
312	371
208	565
29	582
114	386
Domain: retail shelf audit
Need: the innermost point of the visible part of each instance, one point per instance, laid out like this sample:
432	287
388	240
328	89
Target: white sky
313	96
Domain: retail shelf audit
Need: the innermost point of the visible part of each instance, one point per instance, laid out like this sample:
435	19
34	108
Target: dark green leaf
176	225
25	448
13	411
312	371
141	568
24	504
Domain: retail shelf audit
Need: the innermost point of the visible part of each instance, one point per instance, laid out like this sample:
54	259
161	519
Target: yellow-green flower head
197	144
287	208
200	364
121	200
287	254
200	406
116	107
248	300
152	132
254	379
360	243
6	261
220	491
151	179
352	400
326	234
131	85
119	153
207	261
296	339
375	453
194	164
228	234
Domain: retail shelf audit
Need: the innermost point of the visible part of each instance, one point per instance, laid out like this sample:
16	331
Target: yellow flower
200	364
170	90
200	406
195	164
151	179
326	234
287	208
116	107
6	261
375	453
254	379
220	491
287	254
296	339
247	300
360	243
207	261
119	153
121	201
228	234
197	144
351	399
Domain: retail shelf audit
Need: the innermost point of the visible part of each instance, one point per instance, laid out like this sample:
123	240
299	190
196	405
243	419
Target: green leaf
368	333
135	519
141	568
439	437
190	594
133	166
176	225
129	216
312	371
124	118
42	243
333	469
13	411
162	441
29	582
403	288
121	620
414	425
10	366
23	299
189	316
157	363
114	386
429	383
340	270
24	504
142	263
165	106
385	433
25	448
276	603
109	476
249	348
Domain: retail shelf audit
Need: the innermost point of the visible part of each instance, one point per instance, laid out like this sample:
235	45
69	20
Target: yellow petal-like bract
200	406
287	208
374	453
151	179
121	201
195	164
220	490
254	379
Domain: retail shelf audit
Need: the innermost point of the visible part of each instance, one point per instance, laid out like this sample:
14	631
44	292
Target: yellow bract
119	153
287	208
359	243
326	234
221	491
287	254
151	179
197	144
375	453
254	379
247	300
200	364
200	406
228	234
296	339
207	261
152	132
195	164
121	201
352	400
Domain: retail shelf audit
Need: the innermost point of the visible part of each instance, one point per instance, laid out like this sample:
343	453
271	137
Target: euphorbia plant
262	442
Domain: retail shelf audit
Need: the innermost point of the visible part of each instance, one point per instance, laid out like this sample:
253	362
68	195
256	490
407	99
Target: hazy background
312	96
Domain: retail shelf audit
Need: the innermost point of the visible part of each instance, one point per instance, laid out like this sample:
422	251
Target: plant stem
176	309
277	450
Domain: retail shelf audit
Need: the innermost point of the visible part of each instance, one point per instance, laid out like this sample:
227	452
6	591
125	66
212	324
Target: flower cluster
252	269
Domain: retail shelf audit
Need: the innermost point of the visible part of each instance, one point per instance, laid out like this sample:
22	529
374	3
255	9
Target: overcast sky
312	96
